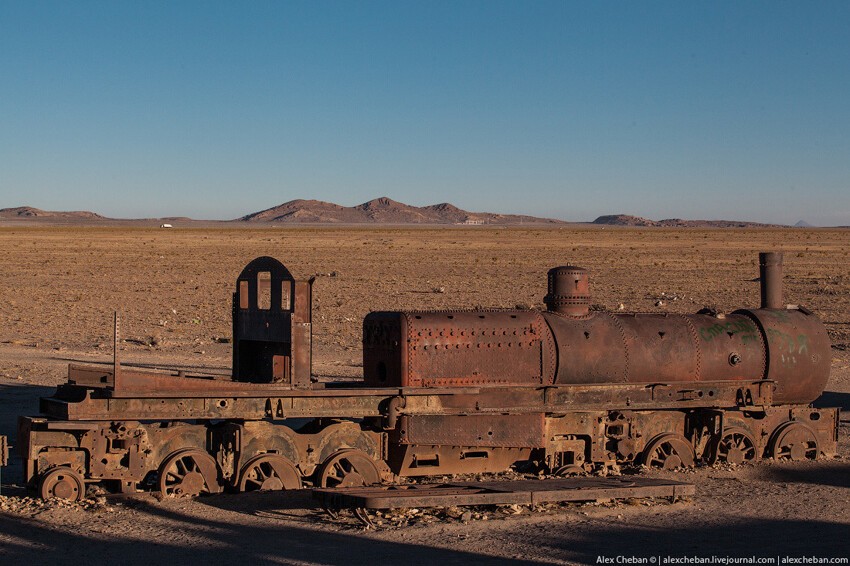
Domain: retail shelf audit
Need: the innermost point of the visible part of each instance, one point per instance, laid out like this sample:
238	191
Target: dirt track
173	287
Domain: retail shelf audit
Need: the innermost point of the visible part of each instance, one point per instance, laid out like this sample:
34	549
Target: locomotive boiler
565	390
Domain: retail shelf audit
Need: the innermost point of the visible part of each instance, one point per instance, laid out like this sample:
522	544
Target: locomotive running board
525	492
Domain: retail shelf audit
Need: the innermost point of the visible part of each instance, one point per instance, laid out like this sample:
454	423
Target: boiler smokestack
569	291
770	276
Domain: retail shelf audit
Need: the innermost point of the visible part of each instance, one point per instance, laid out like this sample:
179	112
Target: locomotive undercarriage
383	435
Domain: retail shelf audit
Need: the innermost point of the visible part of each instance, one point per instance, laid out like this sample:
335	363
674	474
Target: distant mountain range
628	220
30	212
383	211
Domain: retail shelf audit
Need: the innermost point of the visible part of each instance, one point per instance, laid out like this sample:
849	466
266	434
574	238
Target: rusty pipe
770	277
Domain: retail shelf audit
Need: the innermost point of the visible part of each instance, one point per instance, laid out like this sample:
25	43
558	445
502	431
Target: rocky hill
628	220
383	211
30	212
624	220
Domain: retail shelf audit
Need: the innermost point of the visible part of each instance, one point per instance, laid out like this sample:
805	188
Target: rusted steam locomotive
444	392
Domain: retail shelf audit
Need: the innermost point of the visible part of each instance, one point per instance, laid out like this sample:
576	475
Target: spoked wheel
794	441
348	468
736	446
188	473
62	482
269	472
669	451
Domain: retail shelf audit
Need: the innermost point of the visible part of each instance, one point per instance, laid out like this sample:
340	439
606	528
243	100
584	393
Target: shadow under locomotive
207	541
198	538
564	390
16	399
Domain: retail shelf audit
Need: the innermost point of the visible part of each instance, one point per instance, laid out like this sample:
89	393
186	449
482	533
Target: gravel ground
60	286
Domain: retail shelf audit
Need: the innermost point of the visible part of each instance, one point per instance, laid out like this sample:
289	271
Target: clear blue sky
736	110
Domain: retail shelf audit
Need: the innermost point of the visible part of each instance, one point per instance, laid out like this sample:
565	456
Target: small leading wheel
669	451
736	446
348	468
794	441
62	482
188	473
269	472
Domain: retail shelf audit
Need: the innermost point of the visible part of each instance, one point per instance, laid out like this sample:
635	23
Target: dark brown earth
59	286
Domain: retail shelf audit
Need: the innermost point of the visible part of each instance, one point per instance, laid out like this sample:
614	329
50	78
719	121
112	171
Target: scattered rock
33	506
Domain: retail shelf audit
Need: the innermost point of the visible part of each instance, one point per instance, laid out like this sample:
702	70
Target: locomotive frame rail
151	396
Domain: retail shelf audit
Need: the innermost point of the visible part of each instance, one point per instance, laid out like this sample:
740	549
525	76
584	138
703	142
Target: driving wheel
269	472
188	473
736	446
669	451
348	468
794	441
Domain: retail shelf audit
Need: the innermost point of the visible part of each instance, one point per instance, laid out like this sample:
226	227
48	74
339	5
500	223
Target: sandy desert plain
59	286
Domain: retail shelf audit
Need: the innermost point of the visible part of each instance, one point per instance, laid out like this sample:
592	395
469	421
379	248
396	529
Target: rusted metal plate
302	359
474	430
271	325
644	348
590	350
407	460
797	352
444	348
526	492
730	347
89	376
